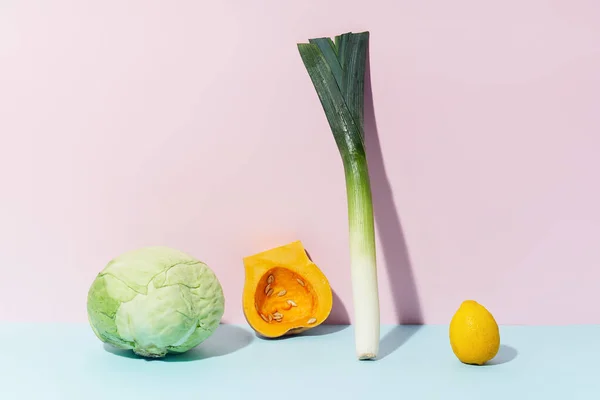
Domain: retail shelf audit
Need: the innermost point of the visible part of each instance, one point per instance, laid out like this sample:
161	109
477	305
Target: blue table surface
66	361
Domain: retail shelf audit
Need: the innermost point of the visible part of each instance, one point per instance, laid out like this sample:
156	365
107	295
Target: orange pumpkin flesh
285	292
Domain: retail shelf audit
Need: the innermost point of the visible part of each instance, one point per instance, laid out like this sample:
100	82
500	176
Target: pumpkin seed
263	317
292	303
300	281
311	321
270	317
282	293
270	279
267	288
270	292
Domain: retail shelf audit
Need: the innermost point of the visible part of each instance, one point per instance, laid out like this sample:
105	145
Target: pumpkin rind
285	293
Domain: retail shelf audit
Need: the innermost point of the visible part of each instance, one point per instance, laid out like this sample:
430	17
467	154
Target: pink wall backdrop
193	124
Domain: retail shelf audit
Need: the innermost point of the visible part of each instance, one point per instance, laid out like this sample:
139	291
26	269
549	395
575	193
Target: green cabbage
154	301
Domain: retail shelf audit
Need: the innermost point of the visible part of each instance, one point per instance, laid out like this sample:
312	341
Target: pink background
193	124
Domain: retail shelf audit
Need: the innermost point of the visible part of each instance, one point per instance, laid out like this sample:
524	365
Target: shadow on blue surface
505	354
320	330
396	338
227	339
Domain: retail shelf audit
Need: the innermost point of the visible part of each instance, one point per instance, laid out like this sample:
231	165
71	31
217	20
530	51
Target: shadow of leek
387	221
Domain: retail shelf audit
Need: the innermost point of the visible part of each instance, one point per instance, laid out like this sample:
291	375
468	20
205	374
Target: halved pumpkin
285	292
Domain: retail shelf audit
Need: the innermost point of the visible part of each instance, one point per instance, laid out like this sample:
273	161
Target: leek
337	71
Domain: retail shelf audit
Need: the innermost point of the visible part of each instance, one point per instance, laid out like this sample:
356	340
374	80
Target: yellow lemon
474	334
